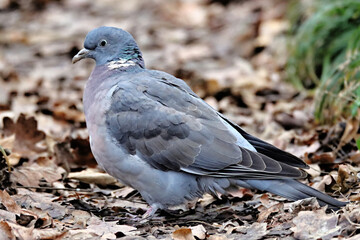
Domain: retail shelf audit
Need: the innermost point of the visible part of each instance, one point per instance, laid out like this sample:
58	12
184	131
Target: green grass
339	91
324	56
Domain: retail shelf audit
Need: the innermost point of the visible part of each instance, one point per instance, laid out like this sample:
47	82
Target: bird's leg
151	211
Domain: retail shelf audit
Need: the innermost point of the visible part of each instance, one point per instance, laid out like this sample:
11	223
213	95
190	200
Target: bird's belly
164	188
111	157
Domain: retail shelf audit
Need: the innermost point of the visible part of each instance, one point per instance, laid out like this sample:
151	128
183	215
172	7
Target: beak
83	53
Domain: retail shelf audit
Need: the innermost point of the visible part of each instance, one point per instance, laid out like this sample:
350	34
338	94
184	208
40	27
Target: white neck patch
120	63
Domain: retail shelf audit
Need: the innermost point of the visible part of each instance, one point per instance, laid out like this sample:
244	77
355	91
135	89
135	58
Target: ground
232	53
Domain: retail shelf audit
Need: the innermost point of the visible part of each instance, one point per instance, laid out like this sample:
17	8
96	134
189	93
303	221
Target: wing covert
170	128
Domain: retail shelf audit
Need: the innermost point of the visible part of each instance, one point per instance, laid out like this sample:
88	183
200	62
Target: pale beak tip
83	53
74	60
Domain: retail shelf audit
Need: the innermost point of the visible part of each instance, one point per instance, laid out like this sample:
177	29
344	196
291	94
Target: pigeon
149	130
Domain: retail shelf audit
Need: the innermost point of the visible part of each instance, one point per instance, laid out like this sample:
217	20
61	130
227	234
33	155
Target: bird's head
110	44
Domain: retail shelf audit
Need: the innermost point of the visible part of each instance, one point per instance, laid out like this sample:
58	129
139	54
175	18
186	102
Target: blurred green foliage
324	55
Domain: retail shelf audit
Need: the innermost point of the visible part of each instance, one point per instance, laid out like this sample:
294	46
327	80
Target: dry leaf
27	137
122	192
304	204
269	29
81	217
314	170
8	143
288	121
21	232
93	175
5	169
188	13
52	233
6	231
80	148
350	132
206	200
355	158
198	231
355	198
30	174
264	213
107	230
241	192
9	203
217	237
6	215
253	232
343	175
63	112
183	234
327	157
42	201
327	182
315	225
123	203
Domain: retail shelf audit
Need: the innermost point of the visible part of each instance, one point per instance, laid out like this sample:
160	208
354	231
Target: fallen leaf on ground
355	158
350	219
108	230
218	237
6	231
8	202
183	234
21	232
327	182
315	225
303	204
27	137
253	232
43	201
241	192
80	148
345	173
30	174
265	212
81	217
122	192
327	157
314	170
7	215
5	169
93	175
199	231
351	130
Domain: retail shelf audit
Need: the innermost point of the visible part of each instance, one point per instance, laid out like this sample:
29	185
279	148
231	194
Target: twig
6	157
346	215
54	188
317	170
204	223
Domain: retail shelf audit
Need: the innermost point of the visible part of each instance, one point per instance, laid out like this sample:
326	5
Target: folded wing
158	118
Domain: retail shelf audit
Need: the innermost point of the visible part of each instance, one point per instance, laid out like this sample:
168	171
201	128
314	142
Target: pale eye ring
103	43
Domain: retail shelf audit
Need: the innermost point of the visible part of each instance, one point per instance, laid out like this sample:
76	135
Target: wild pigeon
149	130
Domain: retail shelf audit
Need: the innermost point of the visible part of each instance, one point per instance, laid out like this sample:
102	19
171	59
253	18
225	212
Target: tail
294	190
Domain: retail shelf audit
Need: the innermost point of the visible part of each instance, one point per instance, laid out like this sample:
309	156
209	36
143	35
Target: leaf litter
232	53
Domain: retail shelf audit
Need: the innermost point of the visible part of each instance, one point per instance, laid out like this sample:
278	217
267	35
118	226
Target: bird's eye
103	43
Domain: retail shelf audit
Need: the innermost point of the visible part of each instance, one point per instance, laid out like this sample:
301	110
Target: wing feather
159	118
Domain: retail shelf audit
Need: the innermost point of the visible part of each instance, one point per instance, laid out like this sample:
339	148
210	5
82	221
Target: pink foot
150	212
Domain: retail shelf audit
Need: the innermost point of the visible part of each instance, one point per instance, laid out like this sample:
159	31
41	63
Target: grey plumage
152	132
